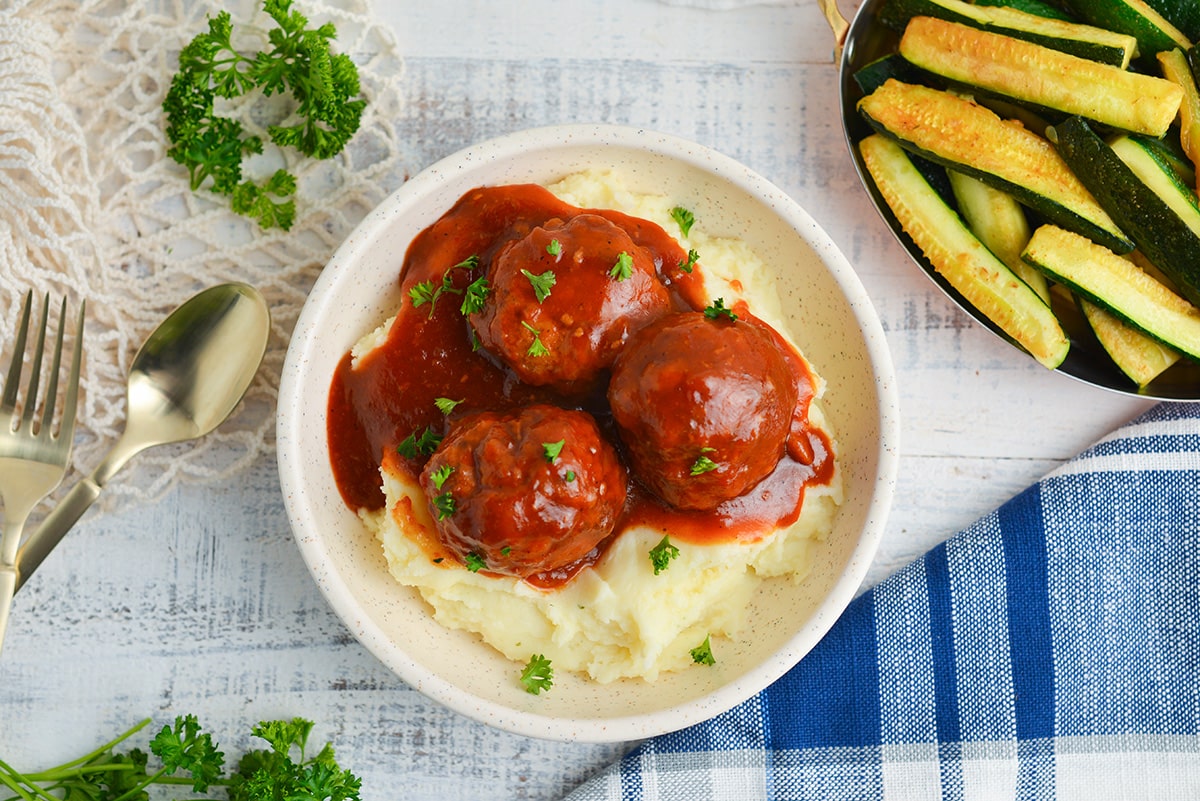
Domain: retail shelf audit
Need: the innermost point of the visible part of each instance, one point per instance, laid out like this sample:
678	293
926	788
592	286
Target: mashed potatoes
617	619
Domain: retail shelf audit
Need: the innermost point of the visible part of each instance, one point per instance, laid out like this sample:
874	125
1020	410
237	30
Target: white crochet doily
91	207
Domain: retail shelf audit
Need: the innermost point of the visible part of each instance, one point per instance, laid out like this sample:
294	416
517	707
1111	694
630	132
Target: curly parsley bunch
324	86
188	757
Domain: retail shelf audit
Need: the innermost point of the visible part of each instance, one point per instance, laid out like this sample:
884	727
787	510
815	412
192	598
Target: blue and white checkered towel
1051	650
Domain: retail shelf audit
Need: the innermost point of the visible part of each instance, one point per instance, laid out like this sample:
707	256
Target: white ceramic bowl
836	327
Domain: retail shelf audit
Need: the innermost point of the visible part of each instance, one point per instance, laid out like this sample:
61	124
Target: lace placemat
91	207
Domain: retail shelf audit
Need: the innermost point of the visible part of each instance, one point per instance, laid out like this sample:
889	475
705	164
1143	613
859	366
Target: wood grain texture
202	604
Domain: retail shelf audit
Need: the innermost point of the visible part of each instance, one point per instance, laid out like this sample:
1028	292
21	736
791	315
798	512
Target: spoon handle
41	542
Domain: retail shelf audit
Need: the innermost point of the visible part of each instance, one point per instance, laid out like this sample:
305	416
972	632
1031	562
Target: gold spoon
184	381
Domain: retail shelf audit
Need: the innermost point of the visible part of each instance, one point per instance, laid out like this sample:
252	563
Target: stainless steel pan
861	41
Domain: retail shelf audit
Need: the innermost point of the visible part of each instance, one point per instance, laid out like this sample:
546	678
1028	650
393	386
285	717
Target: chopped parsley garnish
445	505
702	654
690	264
415	445
537	675
536	348
623	269
445	405
703	464
541	283
427	292
684	218
718	309
553	449
554	248
570	475
506	550
440	475
474	562
662	554
475	296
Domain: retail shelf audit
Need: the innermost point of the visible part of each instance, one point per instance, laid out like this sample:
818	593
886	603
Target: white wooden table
201	604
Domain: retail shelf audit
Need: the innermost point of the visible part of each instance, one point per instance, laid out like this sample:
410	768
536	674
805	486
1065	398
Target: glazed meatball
524	492
704	407
565	298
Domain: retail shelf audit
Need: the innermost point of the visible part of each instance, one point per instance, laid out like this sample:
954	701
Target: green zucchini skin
1035	7
873	75
895	14
1117	15
1183	14
1160	234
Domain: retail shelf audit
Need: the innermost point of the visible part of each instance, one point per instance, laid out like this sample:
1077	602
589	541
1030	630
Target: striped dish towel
1051	650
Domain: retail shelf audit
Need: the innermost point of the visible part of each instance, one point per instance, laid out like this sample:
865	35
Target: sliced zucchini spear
1115	283
1085	41
1135	17
974	271
1042	77
1138	356
962	135
1147	202
999	221
1175	67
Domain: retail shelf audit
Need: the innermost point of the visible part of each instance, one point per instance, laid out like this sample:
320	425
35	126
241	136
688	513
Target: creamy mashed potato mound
617	619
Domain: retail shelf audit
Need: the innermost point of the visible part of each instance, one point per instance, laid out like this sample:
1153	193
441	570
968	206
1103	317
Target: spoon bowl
185	380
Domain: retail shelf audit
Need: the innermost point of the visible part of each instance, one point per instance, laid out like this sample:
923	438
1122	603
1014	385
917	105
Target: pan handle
837	23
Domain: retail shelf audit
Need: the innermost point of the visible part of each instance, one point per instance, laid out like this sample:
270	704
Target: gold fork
33	455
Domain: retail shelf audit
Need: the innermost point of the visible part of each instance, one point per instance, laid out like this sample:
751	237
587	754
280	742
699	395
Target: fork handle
54	527
8	588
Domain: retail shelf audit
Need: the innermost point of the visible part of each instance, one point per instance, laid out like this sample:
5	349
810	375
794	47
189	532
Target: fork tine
67	426
29	407
12	380
55	363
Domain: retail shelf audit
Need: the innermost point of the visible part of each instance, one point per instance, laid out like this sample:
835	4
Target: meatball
564	299
524	492
704	407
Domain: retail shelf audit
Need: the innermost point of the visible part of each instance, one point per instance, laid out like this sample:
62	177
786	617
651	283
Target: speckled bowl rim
291	423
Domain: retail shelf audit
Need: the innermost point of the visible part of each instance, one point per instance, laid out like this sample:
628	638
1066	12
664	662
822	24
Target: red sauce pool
429	353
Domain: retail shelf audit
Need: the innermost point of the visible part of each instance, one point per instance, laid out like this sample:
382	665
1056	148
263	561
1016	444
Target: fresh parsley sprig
188	757
297	60
474	294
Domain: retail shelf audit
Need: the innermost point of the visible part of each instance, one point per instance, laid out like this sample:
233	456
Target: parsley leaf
662	554
553	449
717	309
445	405
537	675
183	747
440	475
474	562
703	465
536	348
415	445
297	60
692	258
445	505
554	248
541	283
475	296
684	218
623	269
702	654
